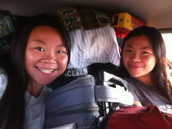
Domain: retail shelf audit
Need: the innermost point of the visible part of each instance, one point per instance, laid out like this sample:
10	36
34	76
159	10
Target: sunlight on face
46	56
138	56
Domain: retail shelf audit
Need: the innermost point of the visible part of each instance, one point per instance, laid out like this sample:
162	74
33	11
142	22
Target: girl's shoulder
3	81
129	80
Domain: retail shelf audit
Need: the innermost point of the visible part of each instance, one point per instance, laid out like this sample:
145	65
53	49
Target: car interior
95	25
155	13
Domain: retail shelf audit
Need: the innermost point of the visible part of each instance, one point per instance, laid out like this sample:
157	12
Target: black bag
86	100
7	29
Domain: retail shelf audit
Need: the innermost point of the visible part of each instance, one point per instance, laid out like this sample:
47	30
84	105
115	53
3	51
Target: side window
168	43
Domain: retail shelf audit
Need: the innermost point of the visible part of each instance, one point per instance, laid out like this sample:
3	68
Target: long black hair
12	103
159	74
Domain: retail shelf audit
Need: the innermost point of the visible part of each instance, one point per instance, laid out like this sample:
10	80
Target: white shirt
35	107
3	82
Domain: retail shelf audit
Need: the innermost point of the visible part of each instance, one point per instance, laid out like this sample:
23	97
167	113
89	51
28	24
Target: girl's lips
43	70
134	66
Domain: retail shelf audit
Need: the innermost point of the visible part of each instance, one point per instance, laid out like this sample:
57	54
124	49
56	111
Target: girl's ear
120	50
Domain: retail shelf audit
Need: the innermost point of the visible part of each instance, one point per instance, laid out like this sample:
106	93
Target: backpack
86	100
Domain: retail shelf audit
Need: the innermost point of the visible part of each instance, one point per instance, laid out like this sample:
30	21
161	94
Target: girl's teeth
46	70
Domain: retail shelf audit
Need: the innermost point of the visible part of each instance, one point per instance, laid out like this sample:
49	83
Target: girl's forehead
45	35
141	41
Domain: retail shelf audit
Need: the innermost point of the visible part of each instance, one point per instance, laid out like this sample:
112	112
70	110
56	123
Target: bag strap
114	95
111	92
103	123
111	88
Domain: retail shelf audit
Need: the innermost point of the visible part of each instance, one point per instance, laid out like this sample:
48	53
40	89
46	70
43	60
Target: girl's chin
44	82
135	75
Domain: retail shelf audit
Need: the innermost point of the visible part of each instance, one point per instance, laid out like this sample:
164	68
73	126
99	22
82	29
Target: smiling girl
145	66
39	54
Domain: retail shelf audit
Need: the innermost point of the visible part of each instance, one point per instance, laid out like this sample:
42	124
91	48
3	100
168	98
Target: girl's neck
146	80
34	89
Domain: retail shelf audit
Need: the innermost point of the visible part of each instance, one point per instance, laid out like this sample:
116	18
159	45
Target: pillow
93	46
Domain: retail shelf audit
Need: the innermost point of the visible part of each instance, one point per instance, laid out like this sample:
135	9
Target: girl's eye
60	51
39	48
144	52
128	50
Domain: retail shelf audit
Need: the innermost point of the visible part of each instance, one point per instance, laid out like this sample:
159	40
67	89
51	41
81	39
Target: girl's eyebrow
39	41
146	48
128	45
61	45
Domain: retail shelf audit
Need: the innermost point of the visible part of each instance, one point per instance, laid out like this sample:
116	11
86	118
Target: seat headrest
93	46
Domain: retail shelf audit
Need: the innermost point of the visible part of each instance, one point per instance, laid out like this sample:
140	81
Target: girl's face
45	56
138	56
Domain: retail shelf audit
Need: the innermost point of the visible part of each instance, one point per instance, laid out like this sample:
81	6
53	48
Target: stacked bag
92	36
86	101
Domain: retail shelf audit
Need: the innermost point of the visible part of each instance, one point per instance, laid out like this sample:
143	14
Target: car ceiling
156	13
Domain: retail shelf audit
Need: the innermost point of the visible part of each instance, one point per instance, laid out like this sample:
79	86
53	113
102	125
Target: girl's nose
49	57
135	57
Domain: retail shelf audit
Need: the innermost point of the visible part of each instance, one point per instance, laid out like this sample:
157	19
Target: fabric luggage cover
78	102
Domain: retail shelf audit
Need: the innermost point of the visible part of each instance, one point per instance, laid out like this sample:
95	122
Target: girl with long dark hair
40	52
145	67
